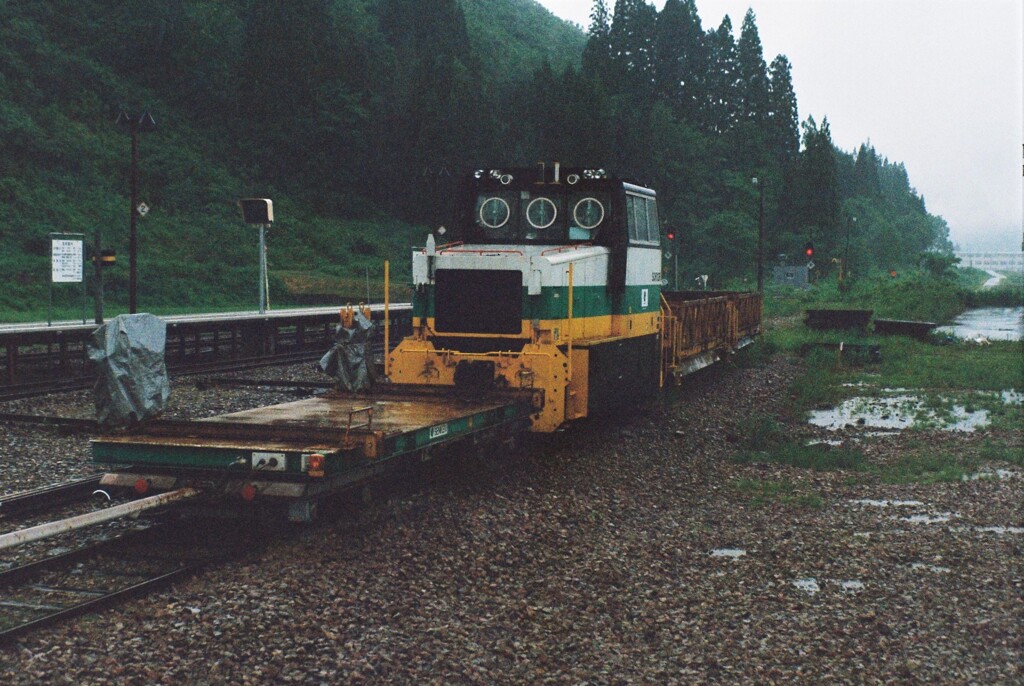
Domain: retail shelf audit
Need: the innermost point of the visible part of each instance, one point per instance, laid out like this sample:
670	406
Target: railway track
27	502
101	574
78	383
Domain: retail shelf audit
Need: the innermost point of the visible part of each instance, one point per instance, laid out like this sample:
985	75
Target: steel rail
79	383
24	581
46	497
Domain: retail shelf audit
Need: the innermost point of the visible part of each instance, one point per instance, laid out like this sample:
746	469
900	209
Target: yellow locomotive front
555	289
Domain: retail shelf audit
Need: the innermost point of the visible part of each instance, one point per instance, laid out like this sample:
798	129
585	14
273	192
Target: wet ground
635	550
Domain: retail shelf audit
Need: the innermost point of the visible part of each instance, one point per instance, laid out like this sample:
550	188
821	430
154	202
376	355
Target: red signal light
809	249
671	235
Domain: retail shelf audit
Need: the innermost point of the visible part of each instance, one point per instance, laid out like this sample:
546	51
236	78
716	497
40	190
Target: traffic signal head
809	249
671	235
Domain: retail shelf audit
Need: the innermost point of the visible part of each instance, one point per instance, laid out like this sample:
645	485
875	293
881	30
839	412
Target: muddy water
993	323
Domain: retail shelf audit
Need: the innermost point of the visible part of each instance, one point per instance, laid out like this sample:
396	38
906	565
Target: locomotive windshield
559	206
541	217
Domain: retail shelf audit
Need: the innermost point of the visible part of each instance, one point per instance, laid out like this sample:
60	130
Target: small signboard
66	255
67	261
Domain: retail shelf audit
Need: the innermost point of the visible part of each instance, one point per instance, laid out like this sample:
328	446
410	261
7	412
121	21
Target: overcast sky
935	84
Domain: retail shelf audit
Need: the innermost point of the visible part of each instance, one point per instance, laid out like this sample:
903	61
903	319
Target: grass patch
928	468
819	457
764	493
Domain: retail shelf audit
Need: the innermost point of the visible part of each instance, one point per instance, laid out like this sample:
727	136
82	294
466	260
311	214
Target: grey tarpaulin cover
350	361
131	377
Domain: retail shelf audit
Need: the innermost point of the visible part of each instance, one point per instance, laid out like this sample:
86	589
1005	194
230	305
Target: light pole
134	125
845	271
259	212
760	235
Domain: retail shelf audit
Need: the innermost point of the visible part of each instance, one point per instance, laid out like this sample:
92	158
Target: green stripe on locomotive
552	303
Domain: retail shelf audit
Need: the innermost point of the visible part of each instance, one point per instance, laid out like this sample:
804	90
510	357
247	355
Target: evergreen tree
783	119
632	47
597	55
721	97
819	204
751	74
682	59
865	172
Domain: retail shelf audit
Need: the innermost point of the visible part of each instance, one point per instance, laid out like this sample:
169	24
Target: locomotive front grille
480	301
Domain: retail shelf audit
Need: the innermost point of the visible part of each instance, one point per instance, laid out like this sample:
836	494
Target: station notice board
67	259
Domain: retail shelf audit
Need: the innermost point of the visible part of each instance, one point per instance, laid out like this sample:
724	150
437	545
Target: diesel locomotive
555	286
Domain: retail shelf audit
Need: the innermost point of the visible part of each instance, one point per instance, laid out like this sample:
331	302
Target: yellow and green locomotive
555	286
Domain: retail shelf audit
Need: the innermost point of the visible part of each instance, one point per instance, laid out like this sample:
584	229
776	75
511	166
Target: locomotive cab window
589	214
642	219
543	220
496	215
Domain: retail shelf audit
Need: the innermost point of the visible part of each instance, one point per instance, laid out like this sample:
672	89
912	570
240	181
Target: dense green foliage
356	116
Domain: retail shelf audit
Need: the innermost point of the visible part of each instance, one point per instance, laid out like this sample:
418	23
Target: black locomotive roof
516	178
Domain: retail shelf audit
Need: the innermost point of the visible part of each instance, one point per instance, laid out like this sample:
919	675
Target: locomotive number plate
438	431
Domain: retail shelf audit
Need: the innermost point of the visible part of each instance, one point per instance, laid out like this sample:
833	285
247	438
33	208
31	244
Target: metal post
760	241
387	318
846	252
133	236
97	259
263	268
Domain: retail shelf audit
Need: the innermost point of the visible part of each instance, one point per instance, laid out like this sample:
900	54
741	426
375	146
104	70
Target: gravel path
620	552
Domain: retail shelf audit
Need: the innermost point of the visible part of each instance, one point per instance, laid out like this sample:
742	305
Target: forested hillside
356	115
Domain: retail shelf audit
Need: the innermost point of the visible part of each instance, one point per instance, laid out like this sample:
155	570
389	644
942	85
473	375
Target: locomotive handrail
560	248
482	252
444	246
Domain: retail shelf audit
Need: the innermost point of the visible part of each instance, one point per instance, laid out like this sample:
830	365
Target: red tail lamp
141	486
248	493
316	465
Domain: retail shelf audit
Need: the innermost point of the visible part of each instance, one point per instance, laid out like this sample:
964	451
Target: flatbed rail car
296	453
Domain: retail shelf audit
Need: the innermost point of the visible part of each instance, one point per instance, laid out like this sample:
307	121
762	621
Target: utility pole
98	263
846	252
760	236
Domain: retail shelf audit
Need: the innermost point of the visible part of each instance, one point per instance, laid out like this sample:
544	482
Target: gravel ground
620	552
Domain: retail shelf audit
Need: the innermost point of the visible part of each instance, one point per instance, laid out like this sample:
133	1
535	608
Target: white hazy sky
935	84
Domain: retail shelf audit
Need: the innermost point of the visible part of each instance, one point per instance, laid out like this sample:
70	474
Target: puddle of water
929	519
895	413
1013	397
931	568
889	503
1002	529
991	323
809	585
732	553
995	475
852	585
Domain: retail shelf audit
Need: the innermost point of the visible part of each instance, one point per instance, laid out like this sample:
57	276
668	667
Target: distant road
994	281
